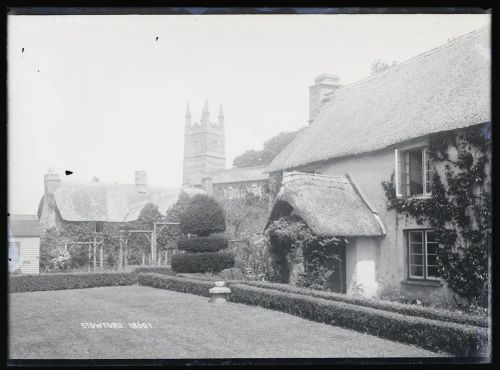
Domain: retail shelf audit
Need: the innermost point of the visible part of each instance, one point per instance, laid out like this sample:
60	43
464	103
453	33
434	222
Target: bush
405	309
155	270
200	276
202	262
252	256
59	281
177	284
203	244
457	339
202	216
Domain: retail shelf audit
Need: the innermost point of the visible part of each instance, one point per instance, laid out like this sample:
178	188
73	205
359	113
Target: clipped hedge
59	281
453	338
203	243
202	262
175	283
156	270
406	309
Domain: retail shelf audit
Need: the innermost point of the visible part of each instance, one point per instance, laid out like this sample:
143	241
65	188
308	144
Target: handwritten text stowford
116	325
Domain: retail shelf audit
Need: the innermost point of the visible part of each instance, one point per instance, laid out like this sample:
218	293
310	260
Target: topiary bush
203	244
203	216
202	262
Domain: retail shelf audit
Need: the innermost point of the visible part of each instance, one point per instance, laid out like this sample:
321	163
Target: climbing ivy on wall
459	208
292	242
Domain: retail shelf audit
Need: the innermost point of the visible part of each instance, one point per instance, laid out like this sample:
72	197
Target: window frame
101	226
425	264
402	159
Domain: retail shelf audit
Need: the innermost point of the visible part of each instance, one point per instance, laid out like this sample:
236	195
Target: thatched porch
331	206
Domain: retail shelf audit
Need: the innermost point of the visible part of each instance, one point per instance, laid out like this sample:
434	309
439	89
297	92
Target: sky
98	95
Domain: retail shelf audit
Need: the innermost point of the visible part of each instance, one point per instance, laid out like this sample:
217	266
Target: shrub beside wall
453	338
40	282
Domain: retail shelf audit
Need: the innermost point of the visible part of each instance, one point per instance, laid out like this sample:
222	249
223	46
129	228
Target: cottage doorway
337	280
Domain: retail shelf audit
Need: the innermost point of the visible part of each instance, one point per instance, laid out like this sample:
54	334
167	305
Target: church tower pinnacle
188	116
205	115
221	116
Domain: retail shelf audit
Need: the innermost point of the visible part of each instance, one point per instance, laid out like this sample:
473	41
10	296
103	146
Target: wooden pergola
151	235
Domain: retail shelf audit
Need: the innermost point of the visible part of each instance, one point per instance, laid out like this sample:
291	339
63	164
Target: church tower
204	145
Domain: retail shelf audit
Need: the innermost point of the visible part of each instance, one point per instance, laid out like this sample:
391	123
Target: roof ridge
90	183
417	57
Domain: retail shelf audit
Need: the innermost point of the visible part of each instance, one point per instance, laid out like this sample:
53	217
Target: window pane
432	248
427	174
432	271
416	176
432	259
416	248
415	236
416	259
430	237
416	271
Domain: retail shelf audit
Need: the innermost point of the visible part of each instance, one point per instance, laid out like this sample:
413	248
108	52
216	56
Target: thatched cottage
100	205
360	134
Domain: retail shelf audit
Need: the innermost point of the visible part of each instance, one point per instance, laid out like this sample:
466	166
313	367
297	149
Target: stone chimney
319	93
51	181
141	181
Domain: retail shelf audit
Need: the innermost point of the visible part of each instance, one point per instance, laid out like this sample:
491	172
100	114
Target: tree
245	216
271	149
379	65
170	235
149	215
138	244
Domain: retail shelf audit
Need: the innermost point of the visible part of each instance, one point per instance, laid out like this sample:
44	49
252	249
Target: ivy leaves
459	211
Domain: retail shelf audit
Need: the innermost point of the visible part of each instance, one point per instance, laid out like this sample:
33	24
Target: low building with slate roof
233	183
24	243
359	135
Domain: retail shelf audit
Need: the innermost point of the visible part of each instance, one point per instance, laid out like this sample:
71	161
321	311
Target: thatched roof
329	205
443	89
233	175
24	226
111	202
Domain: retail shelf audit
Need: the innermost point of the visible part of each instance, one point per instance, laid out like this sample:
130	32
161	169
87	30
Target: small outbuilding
24	244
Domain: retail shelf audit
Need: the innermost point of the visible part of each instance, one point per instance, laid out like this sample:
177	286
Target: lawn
48	324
